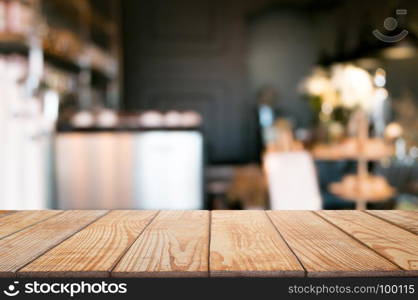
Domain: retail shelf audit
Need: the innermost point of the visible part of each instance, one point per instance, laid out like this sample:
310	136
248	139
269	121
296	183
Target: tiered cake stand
364	187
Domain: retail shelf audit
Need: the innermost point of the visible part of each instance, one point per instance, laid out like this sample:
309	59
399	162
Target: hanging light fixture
399	41
396	41
404	49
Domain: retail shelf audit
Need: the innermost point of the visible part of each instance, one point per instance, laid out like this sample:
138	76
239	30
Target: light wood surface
403	218
174	245
394	243
22	247
325	251
94	251
11	223
202	243
5	212
245	243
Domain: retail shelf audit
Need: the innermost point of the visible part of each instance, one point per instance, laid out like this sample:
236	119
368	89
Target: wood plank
174	245
12	223
246	244
93	251
4	213
24	246
394	243
325	251
406	219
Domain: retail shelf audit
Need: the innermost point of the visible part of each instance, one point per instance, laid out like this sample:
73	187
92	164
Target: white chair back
292	181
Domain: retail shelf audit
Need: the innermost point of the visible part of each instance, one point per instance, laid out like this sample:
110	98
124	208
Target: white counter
155	169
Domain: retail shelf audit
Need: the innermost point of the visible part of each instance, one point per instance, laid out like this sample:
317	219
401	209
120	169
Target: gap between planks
290	248
326	251
30	243
247	244
93	251
18	221
354	238
395	244
130	246
175	244
405	219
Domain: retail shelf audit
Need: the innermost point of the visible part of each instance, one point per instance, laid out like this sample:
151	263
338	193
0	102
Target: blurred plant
406	112
335	93
321	94
354	86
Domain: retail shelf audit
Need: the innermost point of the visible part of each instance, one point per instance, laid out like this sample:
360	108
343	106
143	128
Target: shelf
357	194
61	61
12	38
11	43
121	129
77	37
87	14
350	149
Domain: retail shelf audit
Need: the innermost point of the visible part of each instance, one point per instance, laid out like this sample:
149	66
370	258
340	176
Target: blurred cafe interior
208	104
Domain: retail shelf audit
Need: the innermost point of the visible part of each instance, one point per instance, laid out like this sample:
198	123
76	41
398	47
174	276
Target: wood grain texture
406	219
11	223
245	243
22	247
325	251
394	243
174	245
200	243
93	251
5	212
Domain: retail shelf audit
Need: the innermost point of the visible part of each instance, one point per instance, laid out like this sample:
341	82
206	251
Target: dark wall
189	54
283	49
213	56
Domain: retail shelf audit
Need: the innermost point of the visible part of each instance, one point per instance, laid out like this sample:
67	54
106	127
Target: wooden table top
201	243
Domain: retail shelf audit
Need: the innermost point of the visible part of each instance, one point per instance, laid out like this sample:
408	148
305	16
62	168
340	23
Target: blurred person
266	116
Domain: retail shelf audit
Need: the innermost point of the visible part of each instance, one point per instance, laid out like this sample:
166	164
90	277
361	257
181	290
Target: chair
292	181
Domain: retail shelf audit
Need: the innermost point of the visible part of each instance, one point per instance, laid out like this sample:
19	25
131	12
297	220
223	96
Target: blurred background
208	104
